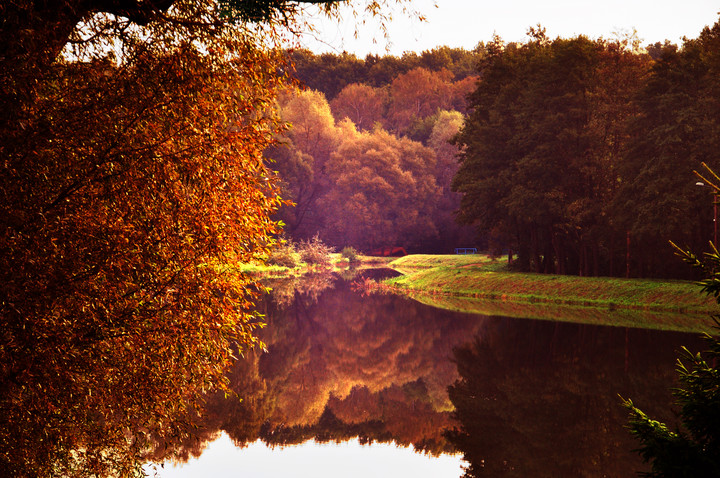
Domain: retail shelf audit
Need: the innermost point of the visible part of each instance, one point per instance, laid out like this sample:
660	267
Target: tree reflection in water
541	399
286	290
339	365
533	398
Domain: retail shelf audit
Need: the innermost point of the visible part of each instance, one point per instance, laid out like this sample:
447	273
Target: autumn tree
460	91
364	189
312	123
446	127
383	192
301	158
115	313
451	234
132	135
362	104
416	95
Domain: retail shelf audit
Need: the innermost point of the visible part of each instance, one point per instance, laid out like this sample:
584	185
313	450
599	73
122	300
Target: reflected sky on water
311	459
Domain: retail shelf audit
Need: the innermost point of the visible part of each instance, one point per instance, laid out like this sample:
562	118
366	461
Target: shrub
315	252
350	253
284	255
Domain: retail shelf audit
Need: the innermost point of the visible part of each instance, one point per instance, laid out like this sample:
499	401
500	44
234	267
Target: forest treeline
367	160
330	73
579	154
575	154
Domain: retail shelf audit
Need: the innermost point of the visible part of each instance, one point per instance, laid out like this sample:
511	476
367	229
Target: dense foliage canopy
330	73
132	138
578	154
541	147
372	167
366	189
119	198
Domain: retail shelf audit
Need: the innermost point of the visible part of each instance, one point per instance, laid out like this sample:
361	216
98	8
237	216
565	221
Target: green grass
426	261
480	285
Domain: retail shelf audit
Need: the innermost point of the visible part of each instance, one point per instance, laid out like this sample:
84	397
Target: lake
381	385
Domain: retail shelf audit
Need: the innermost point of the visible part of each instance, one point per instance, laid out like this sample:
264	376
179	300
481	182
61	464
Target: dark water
514	397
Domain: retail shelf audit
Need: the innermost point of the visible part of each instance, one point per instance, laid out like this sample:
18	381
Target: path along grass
475	283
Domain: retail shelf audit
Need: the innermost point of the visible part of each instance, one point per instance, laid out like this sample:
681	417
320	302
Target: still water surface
352	384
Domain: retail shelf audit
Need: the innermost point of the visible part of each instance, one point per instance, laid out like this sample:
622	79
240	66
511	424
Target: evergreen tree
693	448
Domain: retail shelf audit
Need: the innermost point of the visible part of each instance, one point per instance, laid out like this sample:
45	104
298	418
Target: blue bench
465	250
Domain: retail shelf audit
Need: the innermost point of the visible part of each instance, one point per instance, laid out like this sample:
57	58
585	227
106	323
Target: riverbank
478	284
336	263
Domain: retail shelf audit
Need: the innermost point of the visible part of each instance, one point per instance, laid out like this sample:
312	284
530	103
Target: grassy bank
477	284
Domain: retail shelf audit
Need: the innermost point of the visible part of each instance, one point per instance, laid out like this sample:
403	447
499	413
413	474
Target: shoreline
478	284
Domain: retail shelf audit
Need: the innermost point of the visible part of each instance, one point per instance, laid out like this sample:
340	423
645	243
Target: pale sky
464	23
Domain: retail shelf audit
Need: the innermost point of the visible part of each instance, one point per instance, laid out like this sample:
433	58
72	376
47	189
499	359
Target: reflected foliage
538	395
340	365
540	399
287	290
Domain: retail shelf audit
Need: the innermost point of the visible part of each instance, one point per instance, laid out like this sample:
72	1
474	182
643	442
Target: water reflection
349	459
375	367
540	399
532	398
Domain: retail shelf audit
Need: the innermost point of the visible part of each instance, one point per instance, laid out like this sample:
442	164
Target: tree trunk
535	249
596	259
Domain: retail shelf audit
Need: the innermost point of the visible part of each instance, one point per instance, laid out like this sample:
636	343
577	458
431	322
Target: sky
465	23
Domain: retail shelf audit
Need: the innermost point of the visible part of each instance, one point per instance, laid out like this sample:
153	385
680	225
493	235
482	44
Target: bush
315	252
350	253
284	256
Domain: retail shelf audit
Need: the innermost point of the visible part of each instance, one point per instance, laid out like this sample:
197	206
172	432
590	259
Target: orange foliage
132	172
383	191
123	191
418	94
363	104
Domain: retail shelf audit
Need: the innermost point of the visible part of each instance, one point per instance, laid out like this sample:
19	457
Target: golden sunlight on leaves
126	187
132	170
